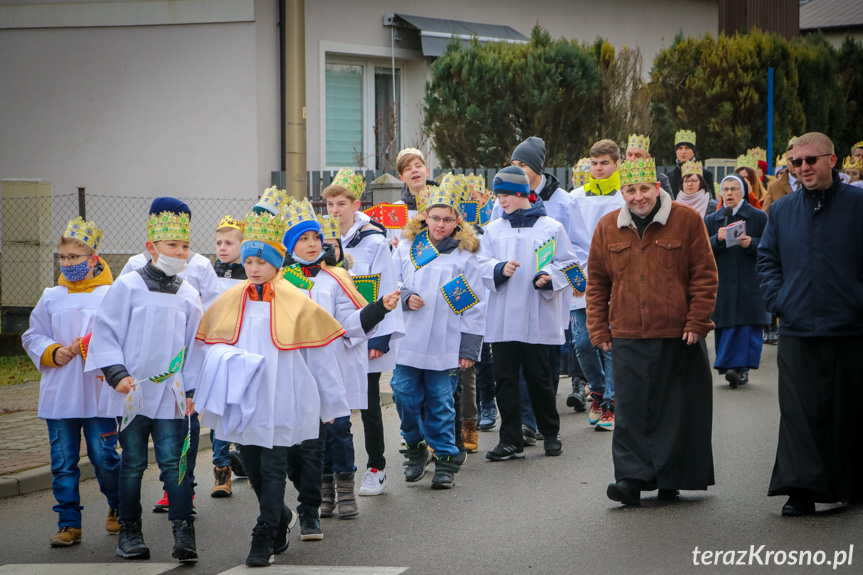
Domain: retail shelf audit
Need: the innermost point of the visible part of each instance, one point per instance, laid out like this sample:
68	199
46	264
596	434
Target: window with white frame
363	113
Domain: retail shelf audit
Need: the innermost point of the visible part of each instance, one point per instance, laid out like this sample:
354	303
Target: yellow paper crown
781	161
746	161
351	181
759	154
273	200
637	172
684	137
793	139
299	211
86	232
458	185
437	196
329	227
229	222
852	163
581	172
638	141
691	167
264	227
168	226
412	151
474	183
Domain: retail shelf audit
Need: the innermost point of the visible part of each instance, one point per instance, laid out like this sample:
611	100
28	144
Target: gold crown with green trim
852	163
638	141
437	196
684	137
168	226
230	222
746	161
273	200
412	151
86	232
691	167
637	172
264	227
351	181
329	227
759	154
781	161
299	211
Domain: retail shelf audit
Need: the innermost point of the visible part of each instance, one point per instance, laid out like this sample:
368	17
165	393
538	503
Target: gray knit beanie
531	152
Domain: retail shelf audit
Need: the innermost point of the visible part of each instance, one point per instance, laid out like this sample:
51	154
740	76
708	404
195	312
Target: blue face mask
75	273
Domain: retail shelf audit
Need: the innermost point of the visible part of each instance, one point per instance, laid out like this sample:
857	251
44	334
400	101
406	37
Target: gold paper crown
781	161
474	183
853	148
412	151
637	172
638	141
351	181
437	196
329	227
691	167
299	211
263	228
86	232
684	137
273	200
168	226
229	222
759	154
793	139
581	172
746	161
852	163
459	185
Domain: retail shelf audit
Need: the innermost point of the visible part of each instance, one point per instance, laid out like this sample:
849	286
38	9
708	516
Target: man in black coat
684	149
810	264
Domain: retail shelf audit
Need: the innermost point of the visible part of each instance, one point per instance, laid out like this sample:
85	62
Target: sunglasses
810	160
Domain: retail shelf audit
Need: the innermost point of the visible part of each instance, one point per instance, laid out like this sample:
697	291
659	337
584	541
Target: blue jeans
339	452
192	454
100	435
416	390
595	364
221	451
168	436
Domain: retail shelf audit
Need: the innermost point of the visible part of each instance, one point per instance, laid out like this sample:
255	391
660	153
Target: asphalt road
537	515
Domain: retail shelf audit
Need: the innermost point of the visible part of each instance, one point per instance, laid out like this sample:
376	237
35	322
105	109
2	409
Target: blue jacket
810	262
738	300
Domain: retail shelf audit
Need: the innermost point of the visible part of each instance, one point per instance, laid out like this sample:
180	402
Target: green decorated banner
545	253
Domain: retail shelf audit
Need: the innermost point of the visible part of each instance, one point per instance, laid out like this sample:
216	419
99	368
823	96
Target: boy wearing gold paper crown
69	398
269	378
853	168
684	149
146	318
522	258
443	331
365	241
314	252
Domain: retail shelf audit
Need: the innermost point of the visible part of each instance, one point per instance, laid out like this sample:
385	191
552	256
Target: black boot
184	540
444	473
416	460
261	552
131	542
576	399
286	523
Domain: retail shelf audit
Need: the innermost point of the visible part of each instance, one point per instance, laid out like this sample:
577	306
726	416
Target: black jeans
485	376
306	467
533	360
373	425
266	469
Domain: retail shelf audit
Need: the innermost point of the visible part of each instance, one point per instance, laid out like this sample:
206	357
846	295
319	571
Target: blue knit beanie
173	205
273	254
511	180
293	234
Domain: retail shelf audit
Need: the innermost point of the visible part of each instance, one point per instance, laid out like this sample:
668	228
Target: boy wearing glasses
69	398
810	267
442	333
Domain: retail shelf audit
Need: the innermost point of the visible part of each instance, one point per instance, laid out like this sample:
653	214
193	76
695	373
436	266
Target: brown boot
471	435
328	496
112	523
222	488
347	500
66	537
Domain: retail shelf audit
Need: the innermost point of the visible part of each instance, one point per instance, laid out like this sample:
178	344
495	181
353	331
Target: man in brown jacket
650	293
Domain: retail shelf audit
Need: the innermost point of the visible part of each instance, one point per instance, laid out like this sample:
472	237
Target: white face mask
168	265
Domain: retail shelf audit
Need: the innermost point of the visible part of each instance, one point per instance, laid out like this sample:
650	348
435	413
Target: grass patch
17	369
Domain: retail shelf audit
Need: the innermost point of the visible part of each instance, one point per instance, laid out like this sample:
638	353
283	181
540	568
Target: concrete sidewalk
25	456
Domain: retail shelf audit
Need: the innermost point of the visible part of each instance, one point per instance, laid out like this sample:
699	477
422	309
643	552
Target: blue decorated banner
576	278
422	250
469	211
459	295
485	213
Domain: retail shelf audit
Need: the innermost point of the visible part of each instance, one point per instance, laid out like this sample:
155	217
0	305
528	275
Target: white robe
199	273
433	333
60	317
253	393
372	256
516	310
143	331
592	209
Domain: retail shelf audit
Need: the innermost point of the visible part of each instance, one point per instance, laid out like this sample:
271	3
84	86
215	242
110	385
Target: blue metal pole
769	120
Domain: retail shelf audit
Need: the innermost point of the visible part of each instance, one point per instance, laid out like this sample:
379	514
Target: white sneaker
374	482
